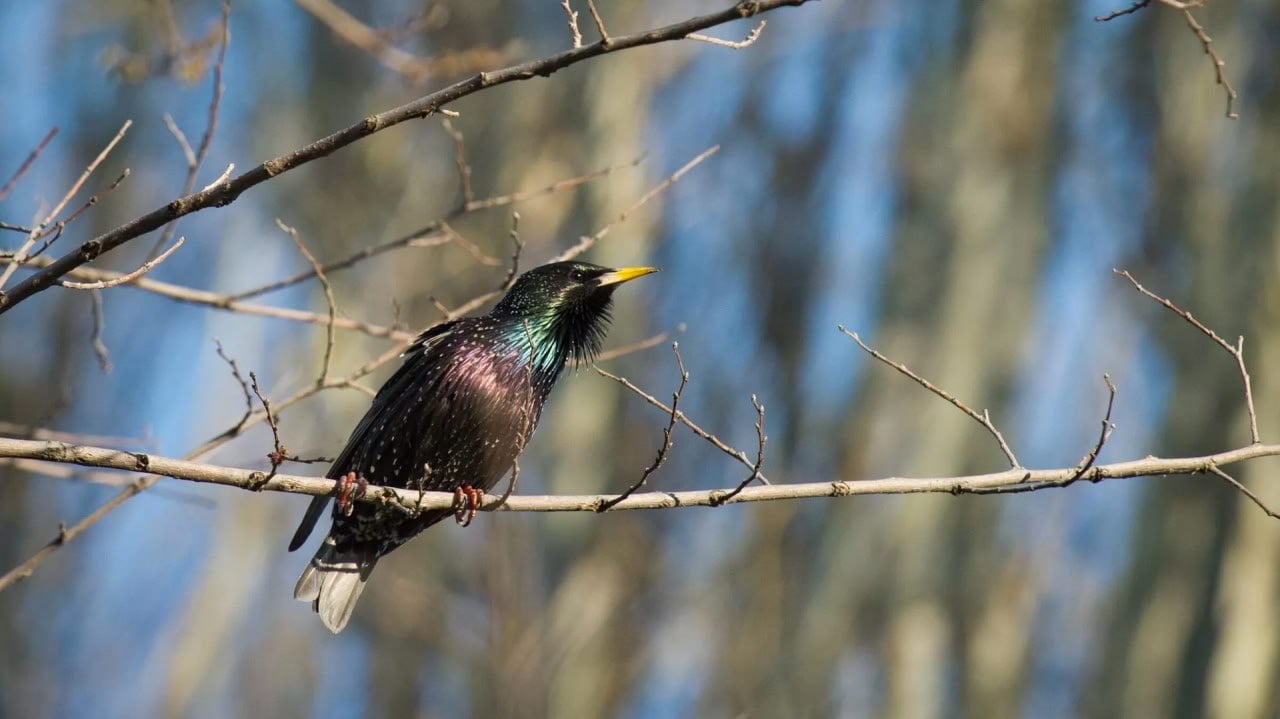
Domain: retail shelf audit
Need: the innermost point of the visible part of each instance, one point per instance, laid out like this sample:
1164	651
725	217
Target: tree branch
411	501
227	192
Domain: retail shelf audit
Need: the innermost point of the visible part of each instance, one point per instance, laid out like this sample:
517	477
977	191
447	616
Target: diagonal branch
227	192
1236	350
983	419
27	163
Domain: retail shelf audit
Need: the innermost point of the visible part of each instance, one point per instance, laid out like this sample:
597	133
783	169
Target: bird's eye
577	275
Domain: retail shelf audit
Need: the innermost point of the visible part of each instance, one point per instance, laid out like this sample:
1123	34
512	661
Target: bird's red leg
467	499
350	488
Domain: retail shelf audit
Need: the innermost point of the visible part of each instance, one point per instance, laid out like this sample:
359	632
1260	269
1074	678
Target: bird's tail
332	582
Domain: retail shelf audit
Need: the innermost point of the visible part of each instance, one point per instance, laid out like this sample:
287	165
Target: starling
453	418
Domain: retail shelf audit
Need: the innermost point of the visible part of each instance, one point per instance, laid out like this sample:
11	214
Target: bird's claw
466	500
350	488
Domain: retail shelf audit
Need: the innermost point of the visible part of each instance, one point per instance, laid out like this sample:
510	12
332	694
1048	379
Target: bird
454	417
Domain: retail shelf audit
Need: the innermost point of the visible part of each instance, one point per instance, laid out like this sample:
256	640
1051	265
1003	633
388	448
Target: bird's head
565	306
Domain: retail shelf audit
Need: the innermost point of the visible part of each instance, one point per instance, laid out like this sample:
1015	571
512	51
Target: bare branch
983	419
54	231
667	439
330	302
683	418
1185	7
643	344
460	160
432	235
412	501
573	23
95	339
599	21
21	255
196	159
227	192
227	303
755	470
1140	4
1239	486
1218	64
472	248
1092	455
221	178
586	242
750	39
123	279
278	454
188	152
1236	350
518	245
244	386
27	163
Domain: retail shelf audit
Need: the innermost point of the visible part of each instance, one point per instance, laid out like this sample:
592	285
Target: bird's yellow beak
625	274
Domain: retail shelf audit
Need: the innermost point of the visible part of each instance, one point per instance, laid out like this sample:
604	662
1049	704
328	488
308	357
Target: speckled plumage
457	413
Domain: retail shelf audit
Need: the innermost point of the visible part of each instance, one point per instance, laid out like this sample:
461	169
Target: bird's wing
424	342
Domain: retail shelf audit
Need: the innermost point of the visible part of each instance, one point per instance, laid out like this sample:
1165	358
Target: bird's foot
466	501
350	488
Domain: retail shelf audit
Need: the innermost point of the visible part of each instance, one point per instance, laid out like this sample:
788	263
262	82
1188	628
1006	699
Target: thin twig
573	23
983	419
1185	7
460	161
196	159
220	178
1253	497
634	347
226	303
747	42
667	439
278	454
472	248
1218	64
1092	456
54	231
95	339
188	153
585	243
14	228
130	277
244	386
518	247
432	235
330	302
599	21
22	254
1236	351
683	418
27	163
1140	4
760	442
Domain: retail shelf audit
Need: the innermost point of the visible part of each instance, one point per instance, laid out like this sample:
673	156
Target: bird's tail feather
333	580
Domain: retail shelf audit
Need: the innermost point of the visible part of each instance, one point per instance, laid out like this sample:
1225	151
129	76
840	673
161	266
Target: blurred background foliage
955	180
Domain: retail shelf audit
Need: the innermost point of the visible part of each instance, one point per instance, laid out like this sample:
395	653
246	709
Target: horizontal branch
225	193
142	462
